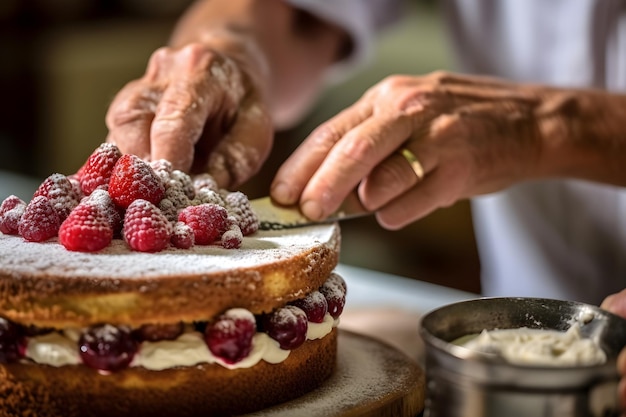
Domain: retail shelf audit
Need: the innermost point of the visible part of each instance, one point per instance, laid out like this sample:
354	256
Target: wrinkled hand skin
616	304
197	109
472	135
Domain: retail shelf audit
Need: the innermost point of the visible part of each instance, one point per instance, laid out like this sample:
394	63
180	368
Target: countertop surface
368	289
389	307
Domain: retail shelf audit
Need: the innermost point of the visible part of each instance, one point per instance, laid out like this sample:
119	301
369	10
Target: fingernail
312	210
282	193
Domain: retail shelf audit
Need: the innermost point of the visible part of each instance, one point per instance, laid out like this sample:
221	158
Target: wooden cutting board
372	379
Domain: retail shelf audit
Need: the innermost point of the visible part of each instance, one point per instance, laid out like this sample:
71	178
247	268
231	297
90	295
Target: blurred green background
65	60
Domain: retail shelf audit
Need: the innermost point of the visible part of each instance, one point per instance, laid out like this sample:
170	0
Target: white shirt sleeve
361	19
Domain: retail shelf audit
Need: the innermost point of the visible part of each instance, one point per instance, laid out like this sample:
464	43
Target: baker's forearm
284	51
584	135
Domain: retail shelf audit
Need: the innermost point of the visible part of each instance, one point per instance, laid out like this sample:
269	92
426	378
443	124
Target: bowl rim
444	347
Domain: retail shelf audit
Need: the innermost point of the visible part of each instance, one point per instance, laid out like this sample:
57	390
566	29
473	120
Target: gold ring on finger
415	164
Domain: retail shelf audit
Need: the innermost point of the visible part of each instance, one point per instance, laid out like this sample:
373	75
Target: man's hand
197	109
471	135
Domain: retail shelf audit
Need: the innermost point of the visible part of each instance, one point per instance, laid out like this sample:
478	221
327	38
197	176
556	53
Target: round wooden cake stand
372	379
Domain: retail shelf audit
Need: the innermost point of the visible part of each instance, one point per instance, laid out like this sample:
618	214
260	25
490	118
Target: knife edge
273	216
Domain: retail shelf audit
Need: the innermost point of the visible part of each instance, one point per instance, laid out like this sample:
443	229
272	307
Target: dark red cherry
314	305
334	290
200	326
288	326
229	337
107	348
156	332
33	331
12	342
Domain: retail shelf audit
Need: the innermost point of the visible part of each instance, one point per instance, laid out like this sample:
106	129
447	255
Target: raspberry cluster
150	205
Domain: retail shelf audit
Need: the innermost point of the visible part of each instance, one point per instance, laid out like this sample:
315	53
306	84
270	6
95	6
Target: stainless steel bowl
462	382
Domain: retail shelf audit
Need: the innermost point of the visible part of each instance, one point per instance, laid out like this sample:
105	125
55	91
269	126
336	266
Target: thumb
616	303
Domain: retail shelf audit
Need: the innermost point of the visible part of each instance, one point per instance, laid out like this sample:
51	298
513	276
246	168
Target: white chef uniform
561	239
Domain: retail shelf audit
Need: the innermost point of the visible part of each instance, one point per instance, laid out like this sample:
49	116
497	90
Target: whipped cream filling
525	346
61	348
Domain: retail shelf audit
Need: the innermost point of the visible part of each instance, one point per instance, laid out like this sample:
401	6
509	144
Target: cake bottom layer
28	389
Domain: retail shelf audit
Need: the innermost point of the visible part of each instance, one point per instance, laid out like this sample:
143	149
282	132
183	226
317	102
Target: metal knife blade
273	216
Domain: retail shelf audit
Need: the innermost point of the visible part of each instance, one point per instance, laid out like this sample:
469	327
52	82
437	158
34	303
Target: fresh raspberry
208	222
10	203
133	178
102	199
185	182
98	168
40	220
163	169
175	192
238	206
206	196
86	229
73	179
169	210
9	222
182	236
146	229
59	190
11	210
205	181
232	238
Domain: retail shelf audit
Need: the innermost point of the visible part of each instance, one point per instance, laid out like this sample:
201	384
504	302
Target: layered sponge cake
157	321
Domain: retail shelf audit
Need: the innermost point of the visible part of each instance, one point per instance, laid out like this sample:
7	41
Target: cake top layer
190	249
47	285
21	258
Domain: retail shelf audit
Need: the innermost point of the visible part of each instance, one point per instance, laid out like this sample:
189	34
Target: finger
439	189
352	159
130	115
129	118
203	91
393	177
615	303
621	363
179	120
242	152
292	177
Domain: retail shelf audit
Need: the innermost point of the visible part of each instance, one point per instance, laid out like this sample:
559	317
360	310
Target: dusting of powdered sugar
368	374
18	257
233	160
